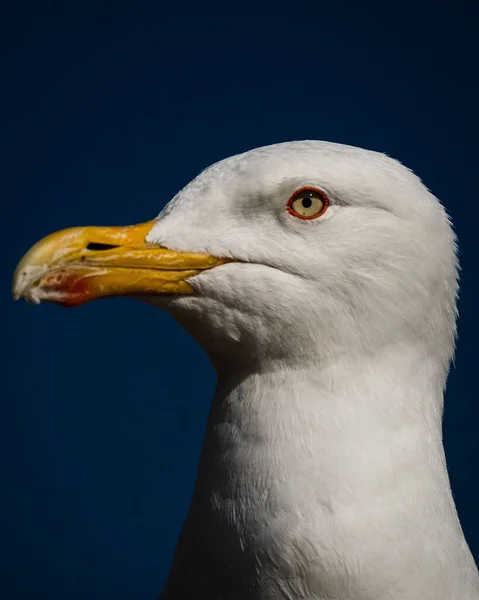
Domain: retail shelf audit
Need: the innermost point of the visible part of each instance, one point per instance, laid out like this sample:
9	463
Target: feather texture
322	474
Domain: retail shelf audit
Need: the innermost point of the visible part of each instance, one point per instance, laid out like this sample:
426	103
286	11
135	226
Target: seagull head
296	252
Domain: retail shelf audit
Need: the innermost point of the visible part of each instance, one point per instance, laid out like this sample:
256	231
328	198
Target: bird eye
308	203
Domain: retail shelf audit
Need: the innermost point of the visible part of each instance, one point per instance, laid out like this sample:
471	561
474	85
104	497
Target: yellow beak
76	265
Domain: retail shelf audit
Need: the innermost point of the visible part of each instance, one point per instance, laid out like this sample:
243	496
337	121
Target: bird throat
308	473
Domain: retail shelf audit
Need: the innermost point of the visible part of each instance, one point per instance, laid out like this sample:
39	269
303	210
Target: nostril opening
95	246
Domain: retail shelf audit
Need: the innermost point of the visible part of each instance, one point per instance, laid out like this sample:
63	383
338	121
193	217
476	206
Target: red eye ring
303	192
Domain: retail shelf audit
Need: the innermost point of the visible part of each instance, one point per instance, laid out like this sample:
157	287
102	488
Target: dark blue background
107	110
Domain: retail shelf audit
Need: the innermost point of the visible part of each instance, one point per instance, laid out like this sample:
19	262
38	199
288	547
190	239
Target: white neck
325	481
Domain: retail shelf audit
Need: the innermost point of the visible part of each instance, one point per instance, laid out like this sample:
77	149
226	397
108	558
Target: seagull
321	280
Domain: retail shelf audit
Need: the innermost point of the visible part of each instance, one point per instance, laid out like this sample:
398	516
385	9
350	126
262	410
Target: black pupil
307	202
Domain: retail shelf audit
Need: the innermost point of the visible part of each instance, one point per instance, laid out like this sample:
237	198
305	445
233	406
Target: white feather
322	474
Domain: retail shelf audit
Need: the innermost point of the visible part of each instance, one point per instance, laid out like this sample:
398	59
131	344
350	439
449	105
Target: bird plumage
322	473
